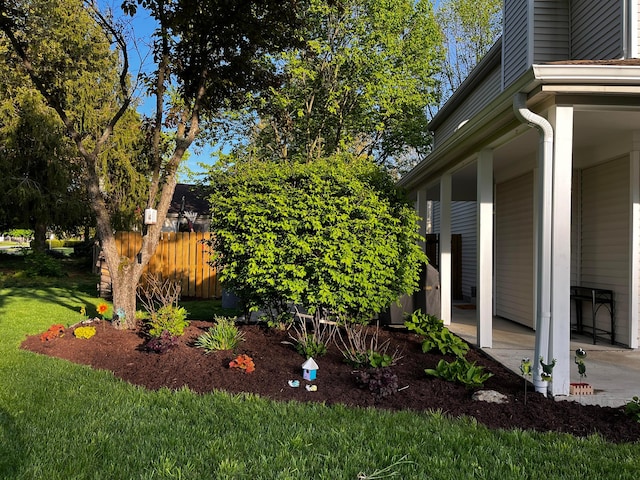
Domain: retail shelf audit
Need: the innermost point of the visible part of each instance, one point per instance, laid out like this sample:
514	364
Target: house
539	152
189	210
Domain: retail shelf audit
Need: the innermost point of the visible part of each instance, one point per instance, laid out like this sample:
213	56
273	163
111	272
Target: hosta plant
632	408
461	371
435	335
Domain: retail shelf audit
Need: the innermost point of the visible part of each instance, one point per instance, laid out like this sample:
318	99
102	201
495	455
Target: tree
469	30
360	83
208	55
333	233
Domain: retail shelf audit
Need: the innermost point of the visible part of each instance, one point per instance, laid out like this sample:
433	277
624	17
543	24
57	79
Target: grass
64	421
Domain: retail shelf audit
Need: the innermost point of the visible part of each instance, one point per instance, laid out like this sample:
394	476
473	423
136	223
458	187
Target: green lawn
65	421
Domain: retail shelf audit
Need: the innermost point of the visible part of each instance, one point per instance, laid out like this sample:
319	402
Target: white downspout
543	294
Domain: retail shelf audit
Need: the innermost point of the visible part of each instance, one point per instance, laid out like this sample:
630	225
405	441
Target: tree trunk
39	242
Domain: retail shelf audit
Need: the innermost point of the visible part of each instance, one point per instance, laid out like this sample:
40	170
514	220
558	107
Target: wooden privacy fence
180	256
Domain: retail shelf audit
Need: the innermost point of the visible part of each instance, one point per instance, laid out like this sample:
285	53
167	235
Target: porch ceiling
599	134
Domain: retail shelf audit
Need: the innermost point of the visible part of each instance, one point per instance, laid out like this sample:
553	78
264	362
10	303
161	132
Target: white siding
463	221
476	101
514	250
514	38
551	31
605	238
596	29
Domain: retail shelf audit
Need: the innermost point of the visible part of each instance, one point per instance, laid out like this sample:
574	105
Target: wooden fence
179	256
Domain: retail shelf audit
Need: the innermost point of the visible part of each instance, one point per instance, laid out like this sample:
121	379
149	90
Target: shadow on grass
12	448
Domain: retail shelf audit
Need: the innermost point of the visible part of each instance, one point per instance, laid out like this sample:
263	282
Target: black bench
598	298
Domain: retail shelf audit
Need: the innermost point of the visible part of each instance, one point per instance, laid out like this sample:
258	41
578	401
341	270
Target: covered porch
613	371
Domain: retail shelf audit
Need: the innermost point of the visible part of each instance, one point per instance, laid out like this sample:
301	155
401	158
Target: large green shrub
333	233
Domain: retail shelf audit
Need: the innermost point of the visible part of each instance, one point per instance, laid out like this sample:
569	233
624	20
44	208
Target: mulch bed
123	352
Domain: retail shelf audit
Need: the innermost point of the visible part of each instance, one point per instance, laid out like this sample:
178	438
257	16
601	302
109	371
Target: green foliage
632	408
330	234
168	318
224	335
461	371
361	82
379	359
40	264
436	335
310	347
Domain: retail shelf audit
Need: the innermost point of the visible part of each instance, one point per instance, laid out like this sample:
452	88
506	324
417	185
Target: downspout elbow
532	119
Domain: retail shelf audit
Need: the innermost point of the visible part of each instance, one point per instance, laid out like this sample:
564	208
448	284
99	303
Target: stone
490	396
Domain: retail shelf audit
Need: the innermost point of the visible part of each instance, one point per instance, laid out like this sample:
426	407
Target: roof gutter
544	220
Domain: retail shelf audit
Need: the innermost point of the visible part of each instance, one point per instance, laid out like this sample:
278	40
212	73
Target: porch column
561	118
445	248
421	210
634	248
484	281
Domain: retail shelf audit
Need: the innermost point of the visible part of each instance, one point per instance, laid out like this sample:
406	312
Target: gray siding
476	101
514	38
463	221
514	275
551	31
605	238
596	29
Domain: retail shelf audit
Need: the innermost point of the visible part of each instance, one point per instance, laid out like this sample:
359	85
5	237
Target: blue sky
139	29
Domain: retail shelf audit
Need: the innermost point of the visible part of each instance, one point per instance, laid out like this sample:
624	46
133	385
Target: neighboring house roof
195	199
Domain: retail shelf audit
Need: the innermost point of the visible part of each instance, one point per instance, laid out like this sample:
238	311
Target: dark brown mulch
276	362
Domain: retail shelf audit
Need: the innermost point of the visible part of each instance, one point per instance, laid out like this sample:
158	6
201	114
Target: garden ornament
547	368
309	369
579	360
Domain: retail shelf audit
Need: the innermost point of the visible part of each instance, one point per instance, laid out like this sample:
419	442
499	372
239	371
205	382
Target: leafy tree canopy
332	233
361	82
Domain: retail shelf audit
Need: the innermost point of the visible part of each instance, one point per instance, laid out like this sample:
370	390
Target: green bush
461	371
42	265
168	318
333	233
224	335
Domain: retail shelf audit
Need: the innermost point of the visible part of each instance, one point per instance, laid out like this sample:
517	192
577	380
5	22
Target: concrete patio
613	371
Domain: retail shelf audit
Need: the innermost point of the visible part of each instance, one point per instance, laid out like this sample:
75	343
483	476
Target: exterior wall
463	221
551	31
515	40
605	238
514	274
589	17
476	101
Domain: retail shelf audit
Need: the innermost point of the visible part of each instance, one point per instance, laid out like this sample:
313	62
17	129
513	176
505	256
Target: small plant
243	362
632	408
525	369
435	334
168	318
381	382
461	371
224	335
84	332
359	351
312	342
163	343
54	331
42	265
